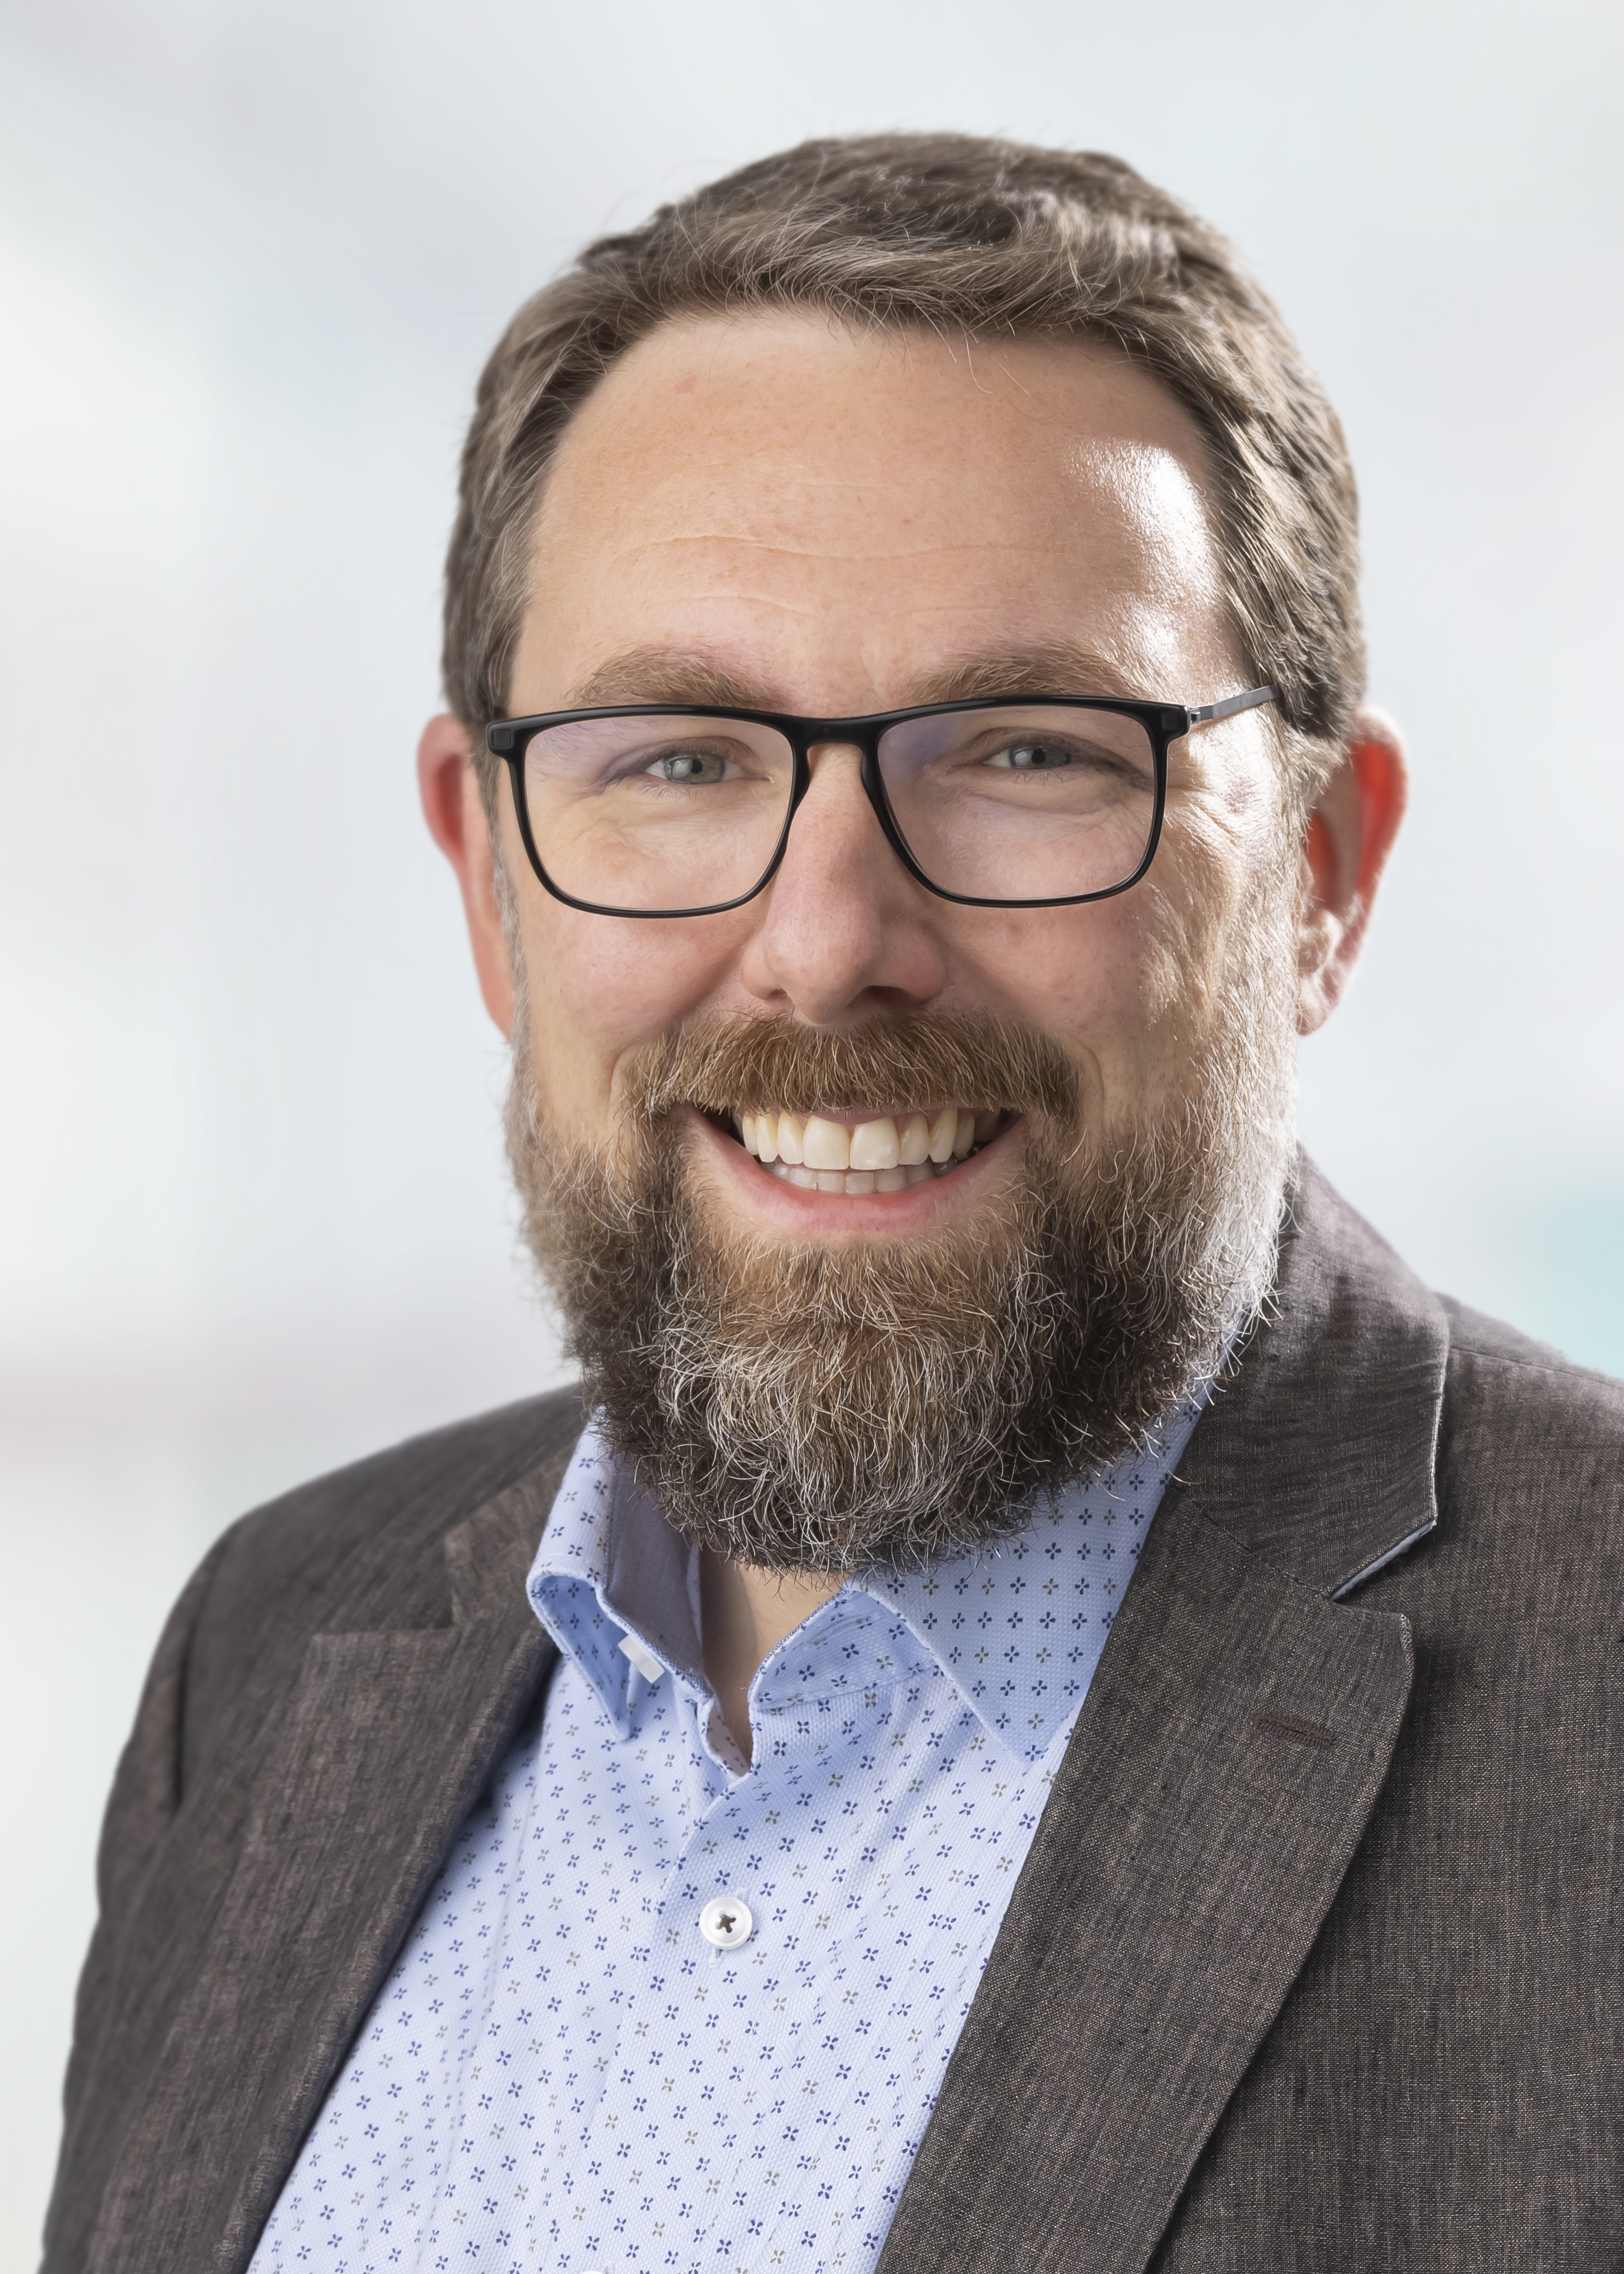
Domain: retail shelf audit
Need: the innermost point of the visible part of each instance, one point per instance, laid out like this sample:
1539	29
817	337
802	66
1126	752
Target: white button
726	1921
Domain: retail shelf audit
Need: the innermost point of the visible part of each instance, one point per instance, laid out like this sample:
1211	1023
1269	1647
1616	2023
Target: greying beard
800	1408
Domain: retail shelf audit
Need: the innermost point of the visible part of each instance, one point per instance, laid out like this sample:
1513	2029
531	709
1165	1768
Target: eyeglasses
675	809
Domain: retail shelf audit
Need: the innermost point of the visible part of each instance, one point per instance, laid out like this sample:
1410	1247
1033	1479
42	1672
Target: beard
810	1407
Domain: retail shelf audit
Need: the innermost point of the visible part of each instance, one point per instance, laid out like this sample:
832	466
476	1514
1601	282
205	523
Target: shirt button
726	1921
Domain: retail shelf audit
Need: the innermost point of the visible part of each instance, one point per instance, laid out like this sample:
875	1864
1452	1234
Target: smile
863	1151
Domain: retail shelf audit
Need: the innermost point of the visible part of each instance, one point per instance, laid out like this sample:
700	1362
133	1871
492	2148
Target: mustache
746	1065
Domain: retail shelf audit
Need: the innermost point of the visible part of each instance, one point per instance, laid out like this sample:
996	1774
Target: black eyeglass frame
509	739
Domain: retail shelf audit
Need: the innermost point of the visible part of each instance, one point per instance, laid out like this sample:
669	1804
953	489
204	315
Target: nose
845	931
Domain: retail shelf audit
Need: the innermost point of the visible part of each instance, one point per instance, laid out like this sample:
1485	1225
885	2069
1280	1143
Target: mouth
865	1151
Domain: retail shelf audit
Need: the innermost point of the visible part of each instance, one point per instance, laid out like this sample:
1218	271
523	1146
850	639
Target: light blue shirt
562	2072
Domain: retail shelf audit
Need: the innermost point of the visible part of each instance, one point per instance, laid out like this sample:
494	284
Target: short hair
960	234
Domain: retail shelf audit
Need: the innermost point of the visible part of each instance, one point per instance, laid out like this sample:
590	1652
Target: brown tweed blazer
1336	1847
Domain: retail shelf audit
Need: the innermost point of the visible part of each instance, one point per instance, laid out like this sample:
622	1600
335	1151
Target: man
1049	1706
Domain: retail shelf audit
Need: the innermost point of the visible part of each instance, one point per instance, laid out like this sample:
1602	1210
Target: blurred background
253	1218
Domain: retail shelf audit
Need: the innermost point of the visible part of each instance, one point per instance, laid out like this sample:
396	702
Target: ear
1345	848
455	815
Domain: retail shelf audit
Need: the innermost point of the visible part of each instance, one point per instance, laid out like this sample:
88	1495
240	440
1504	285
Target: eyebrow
657	675
1057	667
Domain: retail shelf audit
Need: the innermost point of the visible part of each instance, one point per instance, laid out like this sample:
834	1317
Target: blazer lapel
384	1745
1225	1763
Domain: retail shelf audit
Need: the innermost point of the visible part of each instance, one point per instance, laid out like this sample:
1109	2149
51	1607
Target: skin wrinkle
880	556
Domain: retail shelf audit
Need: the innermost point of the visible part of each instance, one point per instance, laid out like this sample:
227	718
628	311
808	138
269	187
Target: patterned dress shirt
667	2013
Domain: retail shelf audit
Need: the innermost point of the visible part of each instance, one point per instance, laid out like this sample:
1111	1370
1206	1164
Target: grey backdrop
253	1217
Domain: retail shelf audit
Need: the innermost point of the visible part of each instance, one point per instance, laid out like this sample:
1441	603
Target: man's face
773	511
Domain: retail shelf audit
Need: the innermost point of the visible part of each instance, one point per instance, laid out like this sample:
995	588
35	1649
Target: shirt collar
1016	1628
610	1572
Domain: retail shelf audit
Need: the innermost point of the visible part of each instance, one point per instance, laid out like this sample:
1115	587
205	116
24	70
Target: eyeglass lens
1008	803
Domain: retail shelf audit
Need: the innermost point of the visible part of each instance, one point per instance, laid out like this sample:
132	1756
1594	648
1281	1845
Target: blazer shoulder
428	1482
1486	1350
1519	1416
359	1550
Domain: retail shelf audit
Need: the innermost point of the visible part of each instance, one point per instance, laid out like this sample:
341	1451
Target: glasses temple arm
1252	700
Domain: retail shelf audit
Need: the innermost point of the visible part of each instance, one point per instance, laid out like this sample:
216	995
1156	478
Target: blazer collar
1224	1766
1318	1448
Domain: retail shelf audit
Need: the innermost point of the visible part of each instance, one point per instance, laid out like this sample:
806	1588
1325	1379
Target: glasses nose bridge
855	733
858	733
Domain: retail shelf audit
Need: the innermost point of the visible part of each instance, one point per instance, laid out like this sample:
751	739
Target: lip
797	1213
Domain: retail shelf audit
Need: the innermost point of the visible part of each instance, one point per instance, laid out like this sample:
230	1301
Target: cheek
1130	985
600	985
1195	914
1091	971
1101	980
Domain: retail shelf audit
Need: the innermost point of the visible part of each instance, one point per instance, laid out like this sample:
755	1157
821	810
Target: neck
745	1614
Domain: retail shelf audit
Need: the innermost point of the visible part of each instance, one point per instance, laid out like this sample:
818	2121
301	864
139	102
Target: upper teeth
889	1141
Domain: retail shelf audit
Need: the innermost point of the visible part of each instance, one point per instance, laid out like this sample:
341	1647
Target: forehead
772	493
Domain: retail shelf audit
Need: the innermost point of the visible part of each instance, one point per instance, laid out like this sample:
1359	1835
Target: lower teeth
856	1181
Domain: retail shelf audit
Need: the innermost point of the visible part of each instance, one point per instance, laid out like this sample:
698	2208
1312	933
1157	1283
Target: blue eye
689	766
1032	758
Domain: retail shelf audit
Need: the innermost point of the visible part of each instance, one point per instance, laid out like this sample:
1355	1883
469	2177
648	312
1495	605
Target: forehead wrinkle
979	547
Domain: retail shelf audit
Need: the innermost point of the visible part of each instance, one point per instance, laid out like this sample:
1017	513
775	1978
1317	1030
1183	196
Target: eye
1032	756
690	766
